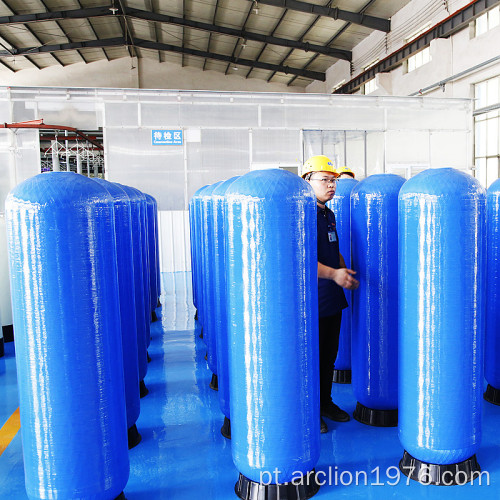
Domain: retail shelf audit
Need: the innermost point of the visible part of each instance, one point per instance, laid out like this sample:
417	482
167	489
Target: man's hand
344	278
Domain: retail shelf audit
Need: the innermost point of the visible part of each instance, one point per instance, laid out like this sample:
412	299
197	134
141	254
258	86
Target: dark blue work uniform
331	301
331	297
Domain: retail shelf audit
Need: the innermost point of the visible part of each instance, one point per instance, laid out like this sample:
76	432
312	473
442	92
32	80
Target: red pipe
38	124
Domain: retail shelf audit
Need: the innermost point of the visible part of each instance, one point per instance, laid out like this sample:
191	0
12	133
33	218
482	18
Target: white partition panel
229	133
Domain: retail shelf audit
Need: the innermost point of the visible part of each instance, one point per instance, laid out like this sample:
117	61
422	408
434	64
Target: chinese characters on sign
166	137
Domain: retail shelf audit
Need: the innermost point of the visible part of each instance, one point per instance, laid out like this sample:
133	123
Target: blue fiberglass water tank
442	219
492	347
219	208
374	227
272	327
62	253
194	244
143	234
207	256
341	207
153	284
157	252
135	207
124	254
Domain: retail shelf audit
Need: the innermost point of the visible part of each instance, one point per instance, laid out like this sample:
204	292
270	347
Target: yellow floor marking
9	430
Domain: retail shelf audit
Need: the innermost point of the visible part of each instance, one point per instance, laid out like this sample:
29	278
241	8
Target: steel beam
148	44
452	24
163	18
376	23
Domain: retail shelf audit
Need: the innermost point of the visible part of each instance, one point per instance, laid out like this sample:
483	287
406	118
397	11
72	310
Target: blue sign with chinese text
166	137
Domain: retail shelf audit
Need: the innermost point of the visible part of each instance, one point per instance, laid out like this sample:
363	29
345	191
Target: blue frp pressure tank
442	216
135	208
157	251
272	303
219	205
62	252
207	256
193	240
126	290
492	351
374	329
341	207
150	204
198	251
144	239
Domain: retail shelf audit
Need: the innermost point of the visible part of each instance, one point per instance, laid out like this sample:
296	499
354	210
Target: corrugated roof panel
142	29
172	58
107	27
78	29
171	34
117	52
17	63
19	37
233	12
171	7
193	61
201	11
44	60
92	55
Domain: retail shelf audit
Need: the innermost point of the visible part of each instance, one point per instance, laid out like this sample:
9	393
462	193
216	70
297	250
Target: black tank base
439	474
201	333
196	315
377	418
121	496
148	356
225	430
8	333
154	317
134	438
214	383
143	390
492	395
158	303
342	376
246	489
2	349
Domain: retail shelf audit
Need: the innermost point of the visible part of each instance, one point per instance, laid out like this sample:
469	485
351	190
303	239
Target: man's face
324	185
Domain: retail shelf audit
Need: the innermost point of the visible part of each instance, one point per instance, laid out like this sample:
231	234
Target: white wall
449	56
147	73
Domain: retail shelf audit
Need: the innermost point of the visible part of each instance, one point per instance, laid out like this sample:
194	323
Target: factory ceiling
285	41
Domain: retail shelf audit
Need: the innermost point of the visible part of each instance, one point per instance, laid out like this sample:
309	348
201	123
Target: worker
345	172
333	276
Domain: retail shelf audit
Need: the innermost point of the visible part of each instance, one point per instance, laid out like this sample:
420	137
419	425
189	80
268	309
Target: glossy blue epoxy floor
183	455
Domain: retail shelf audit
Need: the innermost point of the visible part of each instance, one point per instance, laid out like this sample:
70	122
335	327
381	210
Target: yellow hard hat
345	170
319	163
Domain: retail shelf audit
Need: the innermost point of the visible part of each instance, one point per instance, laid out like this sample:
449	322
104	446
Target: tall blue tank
126	288
198	252
442	218
144	239
219	206
193	241
157	254
62	253
491	361
208	264
341	207
273	326
153	288
135	208
374	226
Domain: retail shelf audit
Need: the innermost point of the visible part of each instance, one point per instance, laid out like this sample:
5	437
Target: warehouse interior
170	96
